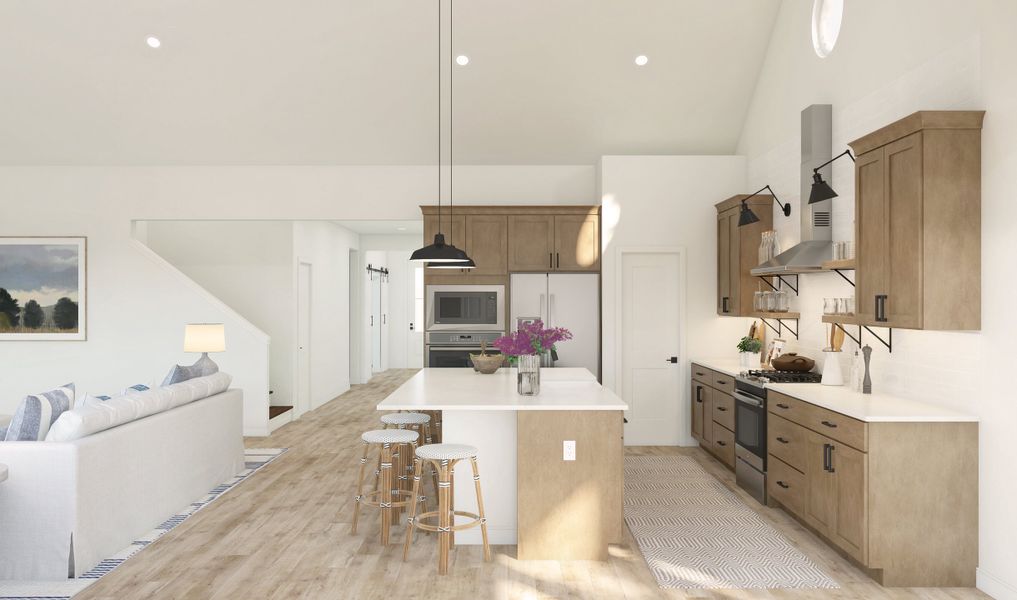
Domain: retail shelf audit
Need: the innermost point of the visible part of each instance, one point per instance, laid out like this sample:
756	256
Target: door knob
672	360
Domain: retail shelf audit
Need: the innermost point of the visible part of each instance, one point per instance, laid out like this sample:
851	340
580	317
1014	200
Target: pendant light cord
439	116
451	119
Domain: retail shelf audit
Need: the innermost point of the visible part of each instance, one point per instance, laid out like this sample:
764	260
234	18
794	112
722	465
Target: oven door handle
747	399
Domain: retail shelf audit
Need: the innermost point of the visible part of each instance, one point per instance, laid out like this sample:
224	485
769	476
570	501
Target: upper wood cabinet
504	239
577	243
738	253
487	243
532	247
918	222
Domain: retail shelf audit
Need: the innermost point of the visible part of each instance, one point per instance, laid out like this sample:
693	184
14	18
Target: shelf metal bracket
844	277
780	278
794	287
857	340
888	342
781	325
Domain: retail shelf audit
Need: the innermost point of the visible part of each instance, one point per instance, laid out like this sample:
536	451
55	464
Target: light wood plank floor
284	533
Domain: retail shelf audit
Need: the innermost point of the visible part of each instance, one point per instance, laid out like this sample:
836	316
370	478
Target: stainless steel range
750	425
453	348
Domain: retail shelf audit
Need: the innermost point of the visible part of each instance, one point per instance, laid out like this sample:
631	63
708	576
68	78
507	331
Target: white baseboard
994	586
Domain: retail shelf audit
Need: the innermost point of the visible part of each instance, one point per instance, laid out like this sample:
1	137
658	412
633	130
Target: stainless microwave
465	308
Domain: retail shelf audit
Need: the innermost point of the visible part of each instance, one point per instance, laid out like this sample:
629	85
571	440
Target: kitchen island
551	508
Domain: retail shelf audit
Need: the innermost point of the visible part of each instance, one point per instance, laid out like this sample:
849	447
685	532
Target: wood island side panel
569	510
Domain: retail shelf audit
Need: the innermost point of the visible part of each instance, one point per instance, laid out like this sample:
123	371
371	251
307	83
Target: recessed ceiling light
153	42
641	60
462	60
401	228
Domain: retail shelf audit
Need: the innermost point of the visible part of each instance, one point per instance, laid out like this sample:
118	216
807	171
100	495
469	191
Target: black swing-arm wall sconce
747	217
821	190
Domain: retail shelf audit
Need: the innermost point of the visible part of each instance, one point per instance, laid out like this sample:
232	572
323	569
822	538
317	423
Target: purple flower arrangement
531	338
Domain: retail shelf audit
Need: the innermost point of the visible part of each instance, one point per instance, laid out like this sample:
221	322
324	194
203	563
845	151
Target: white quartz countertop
872	408
464	389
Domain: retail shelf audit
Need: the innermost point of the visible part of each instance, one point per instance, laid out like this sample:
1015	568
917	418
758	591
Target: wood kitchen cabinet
576	243
899	498
918	222
569	242
483	237
738	252
713	413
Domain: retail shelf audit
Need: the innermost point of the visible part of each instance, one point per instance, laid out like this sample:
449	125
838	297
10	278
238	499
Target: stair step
275	411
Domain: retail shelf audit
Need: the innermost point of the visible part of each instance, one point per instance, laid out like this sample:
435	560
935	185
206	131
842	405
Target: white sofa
67	505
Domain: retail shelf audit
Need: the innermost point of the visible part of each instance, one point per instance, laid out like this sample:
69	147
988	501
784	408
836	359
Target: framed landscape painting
42	288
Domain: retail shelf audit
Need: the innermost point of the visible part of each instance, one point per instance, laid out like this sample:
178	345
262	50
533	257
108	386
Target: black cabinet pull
557	256
723	304
828	458
721	382
720	443
722	408
782	440
698	374
783	485
699	393
830	425
881	308
784	406
550	260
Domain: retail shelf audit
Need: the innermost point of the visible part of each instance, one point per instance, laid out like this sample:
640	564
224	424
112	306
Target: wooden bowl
487	363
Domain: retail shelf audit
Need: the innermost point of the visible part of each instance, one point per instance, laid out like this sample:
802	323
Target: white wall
669	201
327	247
138	303
894	58
247	265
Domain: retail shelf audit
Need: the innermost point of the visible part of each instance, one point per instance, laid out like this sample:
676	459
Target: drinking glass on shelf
841	306
782	302
849	250
768	302
850	305
757	301
837	251
829	306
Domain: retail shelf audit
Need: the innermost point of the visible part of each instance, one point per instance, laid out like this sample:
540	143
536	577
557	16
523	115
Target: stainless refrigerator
570	300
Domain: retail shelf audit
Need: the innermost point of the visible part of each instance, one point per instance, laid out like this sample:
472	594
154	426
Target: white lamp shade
205	337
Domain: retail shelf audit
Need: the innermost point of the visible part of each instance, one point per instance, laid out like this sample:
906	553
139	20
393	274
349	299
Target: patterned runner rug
254	459
695	533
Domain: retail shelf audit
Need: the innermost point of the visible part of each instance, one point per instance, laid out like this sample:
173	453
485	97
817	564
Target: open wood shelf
847	264
842	319
776	315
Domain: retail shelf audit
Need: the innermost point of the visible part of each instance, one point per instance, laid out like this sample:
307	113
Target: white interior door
573	302
376	337
528	297
650	319
303	338
415	337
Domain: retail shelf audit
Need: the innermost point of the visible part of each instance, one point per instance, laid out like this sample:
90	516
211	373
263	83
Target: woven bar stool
419	422
386	496
445	457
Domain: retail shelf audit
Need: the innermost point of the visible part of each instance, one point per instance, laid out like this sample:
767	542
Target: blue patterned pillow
180	373
138	387
37	412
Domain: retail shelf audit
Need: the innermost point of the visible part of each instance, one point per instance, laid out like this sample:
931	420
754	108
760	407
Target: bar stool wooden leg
386	492
360	487
480	510
417	467
444	526
452	501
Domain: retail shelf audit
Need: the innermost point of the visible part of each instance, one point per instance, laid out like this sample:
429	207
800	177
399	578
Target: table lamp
205	338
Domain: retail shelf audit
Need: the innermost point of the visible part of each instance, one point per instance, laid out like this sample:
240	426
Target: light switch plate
569	450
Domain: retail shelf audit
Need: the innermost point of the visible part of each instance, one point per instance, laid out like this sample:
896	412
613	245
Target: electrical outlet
569	450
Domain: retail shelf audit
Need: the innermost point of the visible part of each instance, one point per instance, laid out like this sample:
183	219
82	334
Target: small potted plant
748	352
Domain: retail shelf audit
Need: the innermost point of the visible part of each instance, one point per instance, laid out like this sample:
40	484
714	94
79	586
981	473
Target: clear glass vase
528	374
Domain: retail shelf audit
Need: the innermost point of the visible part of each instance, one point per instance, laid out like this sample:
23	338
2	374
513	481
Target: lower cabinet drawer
723	410
785	485
724	444
702	374
786	441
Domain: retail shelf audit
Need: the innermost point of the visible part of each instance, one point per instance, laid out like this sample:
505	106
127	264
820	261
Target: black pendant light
747	217
441	254
821	190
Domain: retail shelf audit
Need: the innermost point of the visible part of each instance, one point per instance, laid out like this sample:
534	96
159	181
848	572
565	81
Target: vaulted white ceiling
355	81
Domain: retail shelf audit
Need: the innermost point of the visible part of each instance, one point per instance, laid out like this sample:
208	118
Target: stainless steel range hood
816	246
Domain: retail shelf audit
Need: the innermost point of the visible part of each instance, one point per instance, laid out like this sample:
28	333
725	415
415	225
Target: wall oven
750	437
470	308
453	349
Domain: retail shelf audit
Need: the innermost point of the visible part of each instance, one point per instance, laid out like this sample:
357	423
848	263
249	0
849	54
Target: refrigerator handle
541	309
550	310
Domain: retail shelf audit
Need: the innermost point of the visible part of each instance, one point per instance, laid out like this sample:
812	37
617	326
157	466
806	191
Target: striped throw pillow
37	413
